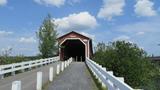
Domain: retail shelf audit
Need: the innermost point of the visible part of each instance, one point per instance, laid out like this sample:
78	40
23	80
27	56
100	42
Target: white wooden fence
106	77
16	85
11	68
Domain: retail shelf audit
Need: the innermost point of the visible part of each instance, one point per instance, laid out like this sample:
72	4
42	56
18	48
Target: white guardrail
106	77
11	68
16	85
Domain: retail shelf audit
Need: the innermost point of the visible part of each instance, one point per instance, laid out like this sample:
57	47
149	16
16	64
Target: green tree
47	38
129	61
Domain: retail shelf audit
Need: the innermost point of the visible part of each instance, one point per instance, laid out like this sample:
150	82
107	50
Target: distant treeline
15	59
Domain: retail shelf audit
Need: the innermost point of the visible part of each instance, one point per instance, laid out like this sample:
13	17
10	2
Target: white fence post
39	81
1	75
107	77
51	74
103	85
22	69
62	66
58	69
71	59
99	79
13	72
16	85
30	64
65	64
41	63
110	72
121	79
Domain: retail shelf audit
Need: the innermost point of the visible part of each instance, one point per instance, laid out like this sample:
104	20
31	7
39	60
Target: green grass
98	84
16	59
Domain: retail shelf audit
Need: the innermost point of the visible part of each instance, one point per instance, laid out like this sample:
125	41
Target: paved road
28	79
75	77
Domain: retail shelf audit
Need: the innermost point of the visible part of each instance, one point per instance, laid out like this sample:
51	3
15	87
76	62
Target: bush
16	59
128	60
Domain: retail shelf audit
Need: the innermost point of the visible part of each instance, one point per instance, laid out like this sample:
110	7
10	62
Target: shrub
128	60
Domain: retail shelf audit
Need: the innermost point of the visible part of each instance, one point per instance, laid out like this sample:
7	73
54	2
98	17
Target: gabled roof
74	33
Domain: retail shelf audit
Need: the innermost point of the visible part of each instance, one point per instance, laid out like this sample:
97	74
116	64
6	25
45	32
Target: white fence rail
16	85
106	77
11	68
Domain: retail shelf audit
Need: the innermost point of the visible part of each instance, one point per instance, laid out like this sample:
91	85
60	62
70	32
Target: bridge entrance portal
75	45
73	48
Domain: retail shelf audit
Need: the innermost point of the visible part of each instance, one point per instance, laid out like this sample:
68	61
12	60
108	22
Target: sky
136	21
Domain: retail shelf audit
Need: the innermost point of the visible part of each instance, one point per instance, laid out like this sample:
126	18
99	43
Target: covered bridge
75	45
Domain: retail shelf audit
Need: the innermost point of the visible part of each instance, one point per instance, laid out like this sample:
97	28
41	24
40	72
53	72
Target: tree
4	55
129	61
47	38
6	52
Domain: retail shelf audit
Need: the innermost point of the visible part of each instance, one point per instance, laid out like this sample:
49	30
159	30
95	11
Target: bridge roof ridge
75	33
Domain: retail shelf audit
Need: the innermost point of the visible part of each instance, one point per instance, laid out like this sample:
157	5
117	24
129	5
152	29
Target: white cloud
5	33
148	31
111	8
56	3
140	27
122	37
140	33
27	40
25	45
76	21
144	8
3	2
72	2
88	35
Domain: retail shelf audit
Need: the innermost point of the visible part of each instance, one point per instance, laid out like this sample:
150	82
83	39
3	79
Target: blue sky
136	21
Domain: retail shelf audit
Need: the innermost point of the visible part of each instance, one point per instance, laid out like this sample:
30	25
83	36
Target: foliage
47	38
16	59
6	58
128	60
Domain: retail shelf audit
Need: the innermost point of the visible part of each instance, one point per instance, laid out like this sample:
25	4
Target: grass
98	84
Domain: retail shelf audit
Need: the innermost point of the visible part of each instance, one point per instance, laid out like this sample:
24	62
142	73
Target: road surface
75	77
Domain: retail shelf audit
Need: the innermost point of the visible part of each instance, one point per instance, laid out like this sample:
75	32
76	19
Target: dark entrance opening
73	48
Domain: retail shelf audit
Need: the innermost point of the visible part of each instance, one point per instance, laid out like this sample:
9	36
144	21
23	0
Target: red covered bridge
75	45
